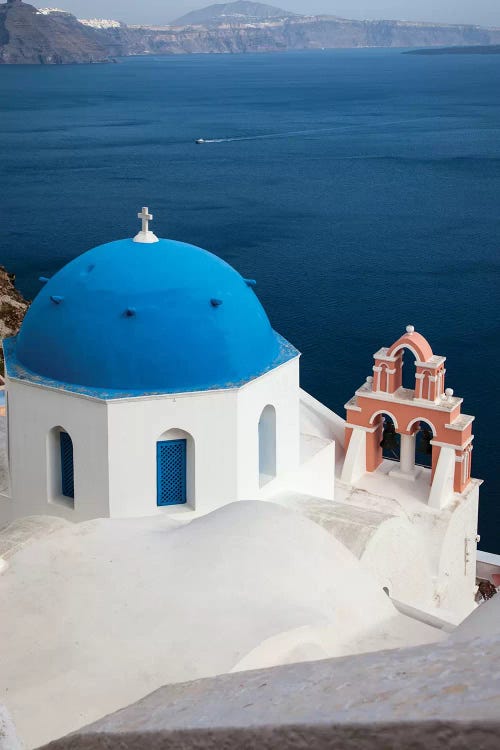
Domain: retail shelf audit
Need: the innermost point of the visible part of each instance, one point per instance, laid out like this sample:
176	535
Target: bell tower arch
428	402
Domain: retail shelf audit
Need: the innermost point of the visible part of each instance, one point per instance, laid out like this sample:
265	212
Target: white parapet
442	484
355	460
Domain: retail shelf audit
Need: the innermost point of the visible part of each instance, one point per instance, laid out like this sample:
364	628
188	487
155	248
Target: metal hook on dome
216	302
250	282
56	299
43	280
130	312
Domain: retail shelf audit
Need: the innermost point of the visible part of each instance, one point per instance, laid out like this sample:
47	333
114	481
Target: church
147	379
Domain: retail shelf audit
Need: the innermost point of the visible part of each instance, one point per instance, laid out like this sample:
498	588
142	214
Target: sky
485	12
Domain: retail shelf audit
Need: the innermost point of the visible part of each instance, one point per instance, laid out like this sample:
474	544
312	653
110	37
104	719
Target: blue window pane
171	472
67	467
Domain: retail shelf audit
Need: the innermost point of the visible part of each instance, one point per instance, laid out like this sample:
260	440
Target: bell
425	444
389	441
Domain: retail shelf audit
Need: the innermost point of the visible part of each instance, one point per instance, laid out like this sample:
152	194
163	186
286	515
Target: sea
360	188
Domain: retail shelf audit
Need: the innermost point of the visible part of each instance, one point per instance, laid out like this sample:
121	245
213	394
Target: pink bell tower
428	402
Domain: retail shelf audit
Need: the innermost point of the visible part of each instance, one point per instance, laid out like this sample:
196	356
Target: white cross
146	218
145	236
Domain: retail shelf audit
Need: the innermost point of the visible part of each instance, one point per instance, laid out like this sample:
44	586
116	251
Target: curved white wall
115	445
36	415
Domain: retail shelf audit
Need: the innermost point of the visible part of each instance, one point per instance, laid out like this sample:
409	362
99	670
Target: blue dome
161	317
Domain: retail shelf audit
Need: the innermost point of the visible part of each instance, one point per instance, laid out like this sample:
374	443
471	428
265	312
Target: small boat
200	140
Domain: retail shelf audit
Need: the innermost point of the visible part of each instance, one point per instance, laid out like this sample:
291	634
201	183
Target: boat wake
287	134
298	133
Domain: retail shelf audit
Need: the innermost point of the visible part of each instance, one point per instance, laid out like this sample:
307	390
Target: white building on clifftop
147	379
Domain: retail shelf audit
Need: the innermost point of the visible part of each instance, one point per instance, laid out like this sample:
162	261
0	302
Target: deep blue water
386	212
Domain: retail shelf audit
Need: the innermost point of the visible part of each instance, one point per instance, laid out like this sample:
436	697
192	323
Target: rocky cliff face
13	308
27	36
315	32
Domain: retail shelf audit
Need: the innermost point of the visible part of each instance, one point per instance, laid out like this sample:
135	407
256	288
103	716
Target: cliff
13	308
28	36
293	33
31	36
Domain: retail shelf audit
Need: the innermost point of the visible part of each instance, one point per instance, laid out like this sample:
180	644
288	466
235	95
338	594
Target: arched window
423	448
60	468
408	370
67	466
175	478
267	445
391	439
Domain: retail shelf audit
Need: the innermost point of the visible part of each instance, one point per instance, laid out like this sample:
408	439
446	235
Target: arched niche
408	358
420	351
388	424
267	445
410	427
179	445
60	467
415	342
381	414
424	432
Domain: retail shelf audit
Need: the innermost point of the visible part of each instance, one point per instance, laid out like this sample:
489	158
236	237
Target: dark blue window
171	472
67	467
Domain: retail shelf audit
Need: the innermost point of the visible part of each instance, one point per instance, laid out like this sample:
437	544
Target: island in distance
42	36
241	11
489	49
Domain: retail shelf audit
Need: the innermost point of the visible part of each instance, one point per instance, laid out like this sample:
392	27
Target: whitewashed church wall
135	427
318	419
33	413
399	554
280	389
316	474
457	563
